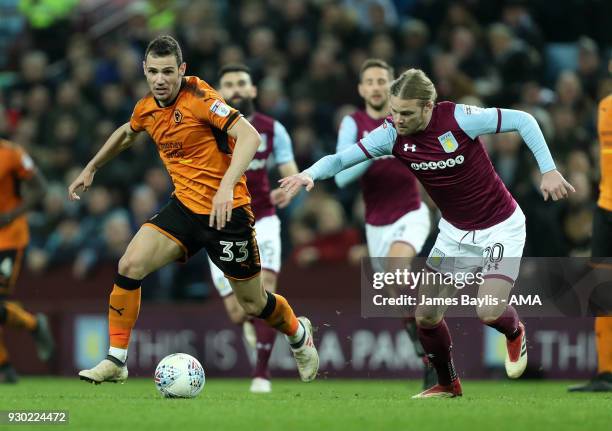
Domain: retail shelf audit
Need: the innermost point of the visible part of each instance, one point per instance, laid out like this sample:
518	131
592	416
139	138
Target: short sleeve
347	134
283	151
213	110
136	119
24	165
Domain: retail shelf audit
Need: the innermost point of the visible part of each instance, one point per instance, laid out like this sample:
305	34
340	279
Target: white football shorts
411	228
497	249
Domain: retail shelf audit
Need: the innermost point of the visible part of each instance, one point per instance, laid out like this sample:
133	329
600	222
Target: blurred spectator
414	52
64	95
319	232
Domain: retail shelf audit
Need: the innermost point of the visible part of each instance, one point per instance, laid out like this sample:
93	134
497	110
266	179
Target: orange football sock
4	357
279	315
122	314
603	337
17	317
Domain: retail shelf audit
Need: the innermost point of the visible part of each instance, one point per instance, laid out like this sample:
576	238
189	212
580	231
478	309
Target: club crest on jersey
219	108
177	116
448	142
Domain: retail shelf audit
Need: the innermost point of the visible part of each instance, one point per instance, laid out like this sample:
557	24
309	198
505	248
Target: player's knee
132	267
489	314
237	317
235	312
252	307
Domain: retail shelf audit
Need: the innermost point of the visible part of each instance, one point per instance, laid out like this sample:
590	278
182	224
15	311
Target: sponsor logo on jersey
441	164
410	147
448	142
219	108
472	110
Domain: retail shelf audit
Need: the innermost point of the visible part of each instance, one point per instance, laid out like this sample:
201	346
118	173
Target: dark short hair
163	46
375	62
236	67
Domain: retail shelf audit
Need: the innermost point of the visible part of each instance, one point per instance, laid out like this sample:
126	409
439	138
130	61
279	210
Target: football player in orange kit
602	247
17	168
206	146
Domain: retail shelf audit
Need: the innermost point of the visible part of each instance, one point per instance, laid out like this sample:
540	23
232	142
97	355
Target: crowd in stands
67	84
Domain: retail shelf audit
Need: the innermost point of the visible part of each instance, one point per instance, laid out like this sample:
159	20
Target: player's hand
83	181
554	185
222	205
292	184
280	198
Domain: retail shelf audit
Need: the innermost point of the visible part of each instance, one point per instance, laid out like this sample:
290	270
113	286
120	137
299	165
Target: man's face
409	115
163	76
238	90
374	87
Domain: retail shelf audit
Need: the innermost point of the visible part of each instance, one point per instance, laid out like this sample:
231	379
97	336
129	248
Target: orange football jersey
192	140
604	129
15	165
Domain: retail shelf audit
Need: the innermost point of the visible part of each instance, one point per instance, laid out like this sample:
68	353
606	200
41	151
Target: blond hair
414	84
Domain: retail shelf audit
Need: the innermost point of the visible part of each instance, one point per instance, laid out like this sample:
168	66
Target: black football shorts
233	249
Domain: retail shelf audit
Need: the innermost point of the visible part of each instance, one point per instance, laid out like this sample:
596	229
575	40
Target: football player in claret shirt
206	146
397	221
237	88
480	222
17	169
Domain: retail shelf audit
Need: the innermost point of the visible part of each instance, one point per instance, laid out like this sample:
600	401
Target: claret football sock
17	317
507	323
123	311
603	334
265	343
278	314
438	345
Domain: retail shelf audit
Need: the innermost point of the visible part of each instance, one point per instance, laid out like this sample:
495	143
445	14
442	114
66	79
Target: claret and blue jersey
450	161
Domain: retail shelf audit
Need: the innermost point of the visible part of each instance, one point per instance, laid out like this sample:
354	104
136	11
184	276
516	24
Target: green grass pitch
323	405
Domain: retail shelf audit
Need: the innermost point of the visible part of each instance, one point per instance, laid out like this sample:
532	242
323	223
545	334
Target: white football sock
118	353
298	336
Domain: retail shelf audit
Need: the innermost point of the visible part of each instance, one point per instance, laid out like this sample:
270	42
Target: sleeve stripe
134	130
230	121
369	156
498	120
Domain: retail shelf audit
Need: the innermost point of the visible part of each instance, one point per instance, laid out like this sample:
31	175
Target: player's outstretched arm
477	121
247	141
378	143
121	139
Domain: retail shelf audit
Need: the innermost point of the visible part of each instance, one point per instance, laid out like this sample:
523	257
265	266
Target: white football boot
306	356
516	354
109	370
